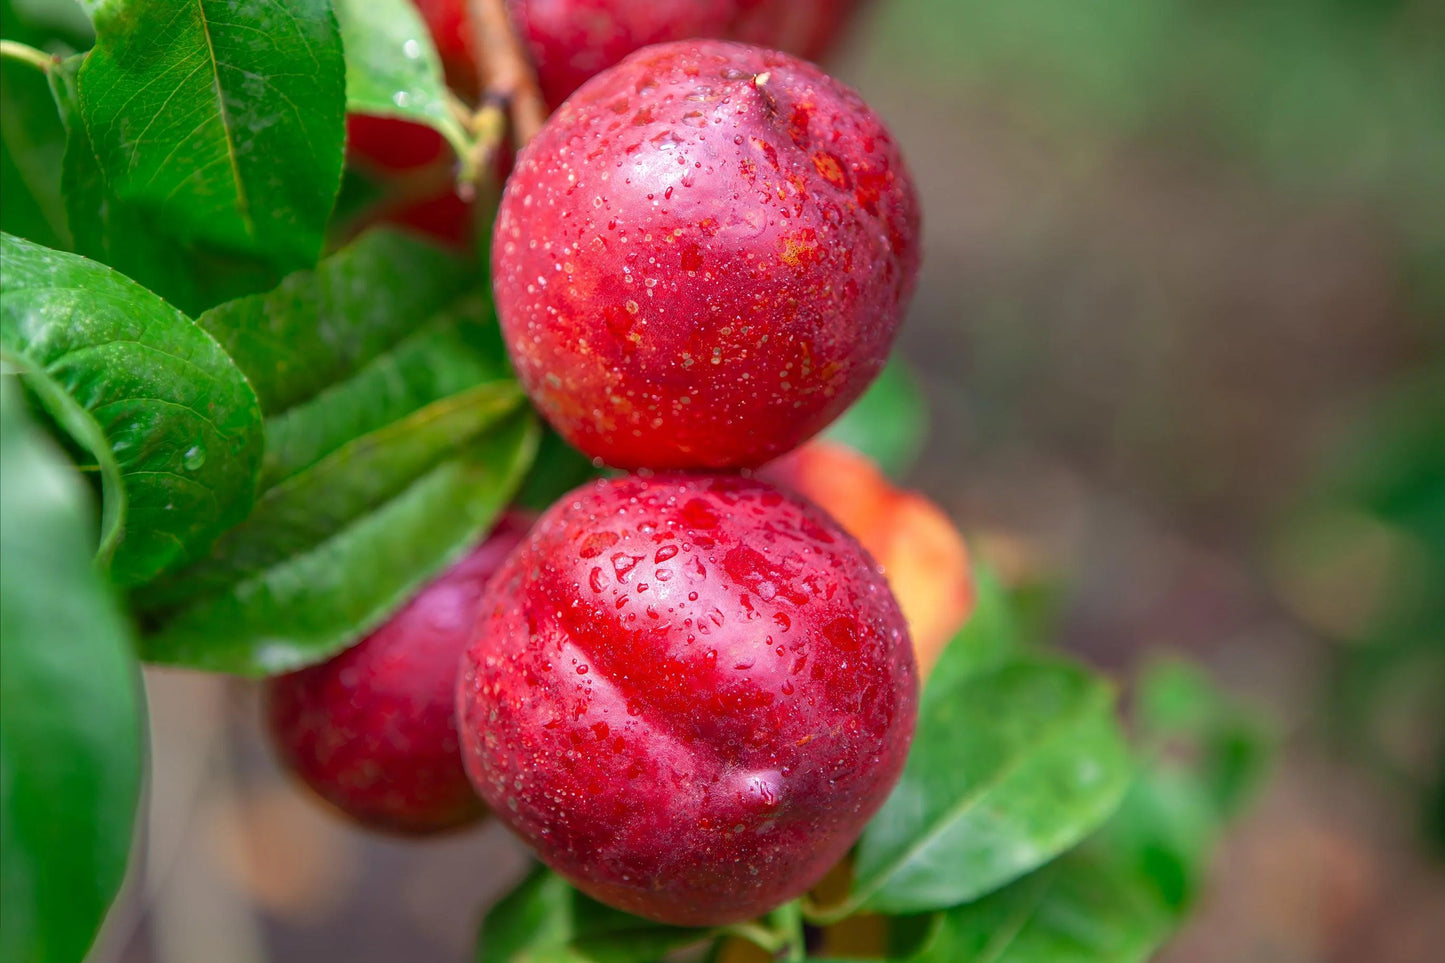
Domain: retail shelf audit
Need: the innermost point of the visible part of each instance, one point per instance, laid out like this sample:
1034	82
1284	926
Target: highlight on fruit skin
688	694
704	257
920	549
373	731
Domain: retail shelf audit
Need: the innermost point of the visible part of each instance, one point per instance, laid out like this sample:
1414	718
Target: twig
509	84
757	934
27	54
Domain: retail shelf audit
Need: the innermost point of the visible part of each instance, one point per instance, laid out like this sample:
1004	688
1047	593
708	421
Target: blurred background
1181	331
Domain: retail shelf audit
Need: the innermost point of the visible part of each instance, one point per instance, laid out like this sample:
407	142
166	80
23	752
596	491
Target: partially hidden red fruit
573	40
922	554
413	160
417	168
808	28
452	33
704	256
688	694
373	731
389	145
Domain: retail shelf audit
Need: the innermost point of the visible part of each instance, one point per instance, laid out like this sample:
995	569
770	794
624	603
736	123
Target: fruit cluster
569	41
688	688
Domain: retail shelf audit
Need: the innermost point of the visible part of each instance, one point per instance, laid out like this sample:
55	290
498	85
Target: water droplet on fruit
623	564
401	98
412	49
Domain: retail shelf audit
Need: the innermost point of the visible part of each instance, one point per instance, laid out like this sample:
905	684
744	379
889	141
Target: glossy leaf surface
70	707
396	434
392	67
173	426
223	121
205	142
1009	768
314	603
1119	895
320	326
545	920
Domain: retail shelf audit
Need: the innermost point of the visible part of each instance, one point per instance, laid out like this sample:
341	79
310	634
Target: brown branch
508	82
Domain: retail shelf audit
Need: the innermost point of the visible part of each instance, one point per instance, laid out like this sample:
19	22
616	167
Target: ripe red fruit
389	145
373	731
808	28
704	256
688	694
572	40
451	31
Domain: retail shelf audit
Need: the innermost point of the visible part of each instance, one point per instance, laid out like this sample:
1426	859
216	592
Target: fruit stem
827	916
758	934
27	54
787	923
508	81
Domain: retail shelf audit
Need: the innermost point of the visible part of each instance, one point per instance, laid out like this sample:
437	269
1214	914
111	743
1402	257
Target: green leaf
1122	892
32	146
1084	908
392	66
316	602
205	143
889	423
1008	769
191	274
397	433
988	640
545	920
223	121
70	708
320	326
305	509
457	351
173	425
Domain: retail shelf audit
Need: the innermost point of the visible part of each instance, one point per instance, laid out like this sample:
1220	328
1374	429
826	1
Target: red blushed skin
809	28
451	31
445	218
704	256
688	693
373	731
573	40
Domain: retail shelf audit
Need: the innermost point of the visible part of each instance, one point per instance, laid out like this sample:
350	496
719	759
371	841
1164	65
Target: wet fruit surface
373	731
688	694
704	257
